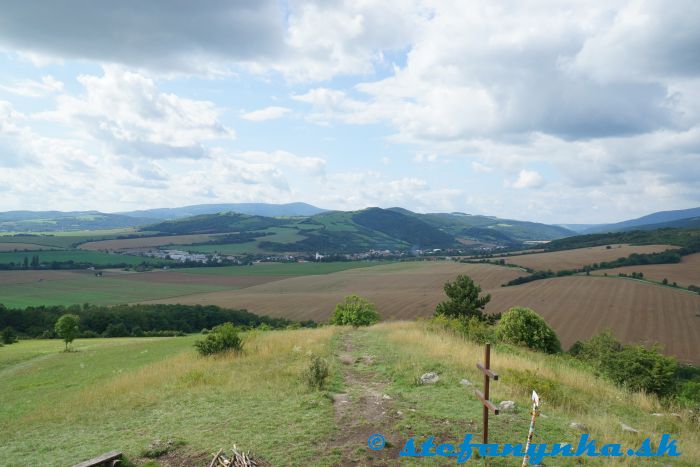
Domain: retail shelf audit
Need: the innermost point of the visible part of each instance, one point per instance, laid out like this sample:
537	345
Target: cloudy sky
577	111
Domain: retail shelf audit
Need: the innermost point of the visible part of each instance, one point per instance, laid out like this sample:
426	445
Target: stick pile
237	459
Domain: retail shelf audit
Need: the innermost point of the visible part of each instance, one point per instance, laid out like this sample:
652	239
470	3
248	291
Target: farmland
77	256
573	259
685	273
18	246
144	242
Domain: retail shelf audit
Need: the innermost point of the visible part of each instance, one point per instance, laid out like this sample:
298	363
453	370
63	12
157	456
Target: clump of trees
8	336
633	366
522	326
133	320
355	311
222	338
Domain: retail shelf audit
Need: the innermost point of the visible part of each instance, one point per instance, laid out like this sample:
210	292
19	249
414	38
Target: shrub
116	330
522	326
317	373
633	366
464	300
8	336
355	311
221	338
470	328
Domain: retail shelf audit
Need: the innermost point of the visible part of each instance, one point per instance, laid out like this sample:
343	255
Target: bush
8	336
472	328
355	311
522	326
464	300
317	373
221	338
632	366
116	330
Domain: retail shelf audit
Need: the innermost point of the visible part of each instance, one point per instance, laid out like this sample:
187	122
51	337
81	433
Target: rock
347	360
578	426
657	415
386	397
627	428
429	378
506	406
465	382
677	415
399	413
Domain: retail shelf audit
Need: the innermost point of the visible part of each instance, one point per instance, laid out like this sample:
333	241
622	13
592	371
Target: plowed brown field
175	277
685	273
144	242
571	259
400	291
579	307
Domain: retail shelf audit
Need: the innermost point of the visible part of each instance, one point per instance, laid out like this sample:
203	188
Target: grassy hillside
56	221
125	393
679	237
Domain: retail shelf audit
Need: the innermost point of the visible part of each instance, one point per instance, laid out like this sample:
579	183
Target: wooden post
484	397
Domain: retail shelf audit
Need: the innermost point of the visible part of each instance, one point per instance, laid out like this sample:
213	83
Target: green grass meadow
96	290
78	256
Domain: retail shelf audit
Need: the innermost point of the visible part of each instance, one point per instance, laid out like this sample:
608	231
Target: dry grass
579	396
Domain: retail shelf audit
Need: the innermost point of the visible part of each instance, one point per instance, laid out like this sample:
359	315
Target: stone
465	382
628	429
429	378
578	426
347	360
506	406
386	397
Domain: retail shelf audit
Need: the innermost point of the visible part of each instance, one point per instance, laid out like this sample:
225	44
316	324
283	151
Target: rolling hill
678	218
57	221
253	209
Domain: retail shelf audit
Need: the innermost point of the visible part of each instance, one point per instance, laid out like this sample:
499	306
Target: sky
558	112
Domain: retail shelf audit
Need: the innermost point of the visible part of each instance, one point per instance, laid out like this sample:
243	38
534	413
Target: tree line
133	320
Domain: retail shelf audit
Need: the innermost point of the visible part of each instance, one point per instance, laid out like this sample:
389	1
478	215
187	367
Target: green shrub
8	336
355	311
633	366
522	326
317	373
221	338
471	328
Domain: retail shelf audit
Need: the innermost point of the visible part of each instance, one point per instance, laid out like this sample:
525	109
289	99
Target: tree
8	336
355	311
522	326
220	339
464	300
68	328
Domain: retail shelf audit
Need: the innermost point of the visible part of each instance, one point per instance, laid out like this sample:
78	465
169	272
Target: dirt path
363	410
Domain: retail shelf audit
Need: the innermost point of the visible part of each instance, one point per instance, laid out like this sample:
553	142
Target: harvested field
174	277
400	291
145	242
11	246
579	307
685	273
572	259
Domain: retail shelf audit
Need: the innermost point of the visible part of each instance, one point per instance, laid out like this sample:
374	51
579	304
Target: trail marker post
484	396
531	432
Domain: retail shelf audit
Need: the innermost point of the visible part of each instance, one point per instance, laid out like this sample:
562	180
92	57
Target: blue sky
566	112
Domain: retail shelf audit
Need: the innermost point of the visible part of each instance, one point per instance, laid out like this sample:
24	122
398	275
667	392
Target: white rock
578	426
386	397
465	382
506	406
429	378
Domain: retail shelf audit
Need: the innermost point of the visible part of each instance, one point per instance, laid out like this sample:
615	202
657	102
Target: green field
122	394
64	239
91	289
286	269
78	256
279	234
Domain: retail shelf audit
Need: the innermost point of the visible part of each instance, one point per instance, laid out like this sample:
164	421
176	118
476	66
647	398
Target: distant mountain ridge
675	218
253	209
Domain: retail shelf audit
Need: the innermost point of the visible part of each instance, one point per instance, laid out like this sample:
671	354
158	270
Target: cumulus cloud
126	110
528	179
268	113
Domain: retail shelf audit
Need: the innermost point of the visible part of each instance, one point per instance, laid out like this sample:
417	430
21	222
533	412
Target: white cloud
528	179
481	168
268	113
31	88
127	111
